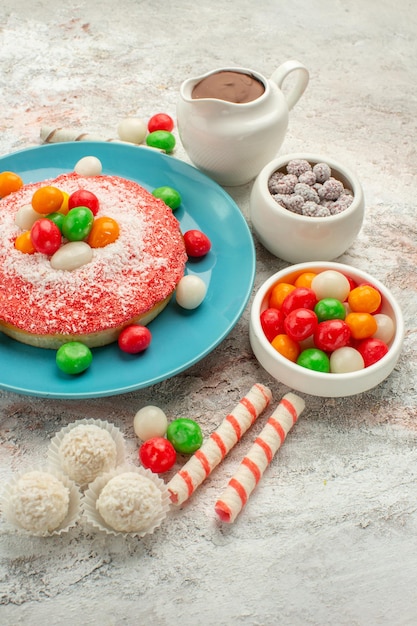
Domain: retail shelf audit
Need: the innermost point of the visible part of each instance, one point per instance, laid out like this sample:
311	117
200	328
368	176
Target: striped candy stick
214	449
260	455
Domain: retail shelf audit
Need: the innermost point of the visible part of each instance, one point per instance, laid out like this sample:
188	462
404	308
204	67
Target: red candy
197	244
299	298
331	335
372	350
45	236
300	324
160	121
82	197
134	339
157	454
272	322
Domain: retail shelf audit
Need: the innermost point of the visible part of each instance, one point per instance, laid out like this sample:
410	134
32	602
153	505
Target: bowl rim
261	184
394	346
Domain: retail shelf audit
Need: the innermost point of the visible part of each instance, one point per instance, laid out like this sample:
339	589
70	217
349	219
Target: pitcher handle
301	80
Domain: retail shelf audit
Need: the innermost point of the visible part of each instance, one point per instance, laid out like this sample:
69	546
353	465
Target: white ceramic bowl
297	238
310	381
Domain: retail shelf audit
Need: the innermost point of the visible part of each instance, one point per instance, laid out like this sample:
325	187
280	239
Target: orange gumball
47	200
305	279
362	325
105	230
364	298
9	182
286	346
278	294
23	242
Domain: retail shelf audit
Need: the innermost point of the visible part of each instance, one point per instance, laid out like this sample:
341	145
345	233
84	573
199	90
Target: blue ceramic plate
180	338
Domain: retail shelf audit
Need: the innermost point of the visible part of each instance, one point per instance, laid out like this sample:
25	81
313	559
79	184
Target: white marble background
329	536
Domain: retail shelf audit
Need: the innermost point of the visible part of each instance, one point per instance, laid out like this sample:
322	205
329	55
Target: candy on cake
41	502
87	449
130	500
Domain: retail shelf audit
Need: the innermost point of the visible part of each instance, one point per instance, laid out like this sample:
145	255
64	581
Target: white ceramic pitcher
231	142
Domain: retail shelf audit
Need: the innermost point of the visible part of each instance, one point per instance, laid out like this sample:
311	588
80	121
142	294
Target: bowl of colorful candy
326	329
306	207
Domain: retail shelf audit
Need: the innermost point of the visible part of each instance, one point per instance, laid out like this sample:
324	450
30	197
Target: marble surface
328	536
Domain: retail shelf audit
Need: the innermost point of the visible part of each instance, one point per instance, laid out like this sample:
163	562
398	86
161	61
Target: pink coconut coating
125	279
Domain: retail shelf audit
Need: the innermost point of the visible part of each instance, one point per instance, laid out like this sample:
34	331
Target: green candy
56	218
329	309
314	359
185	435
73	357
169	195
77	223
162	139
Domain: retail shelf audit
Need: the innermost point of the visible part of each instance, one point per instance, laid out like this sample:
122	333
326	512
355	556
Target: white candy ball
26	217
72	255
191	291
345	360
132	129
150	421
88	166
331	284
385	327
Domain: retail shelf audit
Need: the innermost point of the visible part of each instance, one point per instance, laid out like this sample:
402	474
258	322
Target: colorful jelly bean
169	195
46	236
47	199
134	339
84	198
56	218
331	284
299	298
346	359
9	182
191	291
26	216
185	435
314	359
162	139
74	357
77	224
286	346
372	350
278	294
150	421
364	298
88	166
272	322
329	308
197	244
23	243
160	121
300	324
71	256
105	230
157	454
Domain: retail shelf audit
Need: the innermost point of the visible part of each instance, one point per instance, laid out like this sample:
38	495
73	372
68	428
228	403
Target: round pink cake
128	281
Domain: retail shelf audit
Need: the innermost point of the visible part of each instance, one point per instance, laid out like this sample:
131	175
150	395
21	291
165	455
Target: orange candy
105	230
364	298
305	279
278	294
47	199
23	242
286	346
9	182
362	325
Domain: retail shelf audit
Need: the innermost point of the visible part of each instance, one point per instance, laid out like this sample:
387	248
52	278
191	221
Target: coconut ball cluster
309	190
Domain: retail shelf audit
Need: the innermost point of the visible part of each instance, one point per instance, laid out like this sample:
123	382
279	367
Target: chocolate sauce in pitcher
231	86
